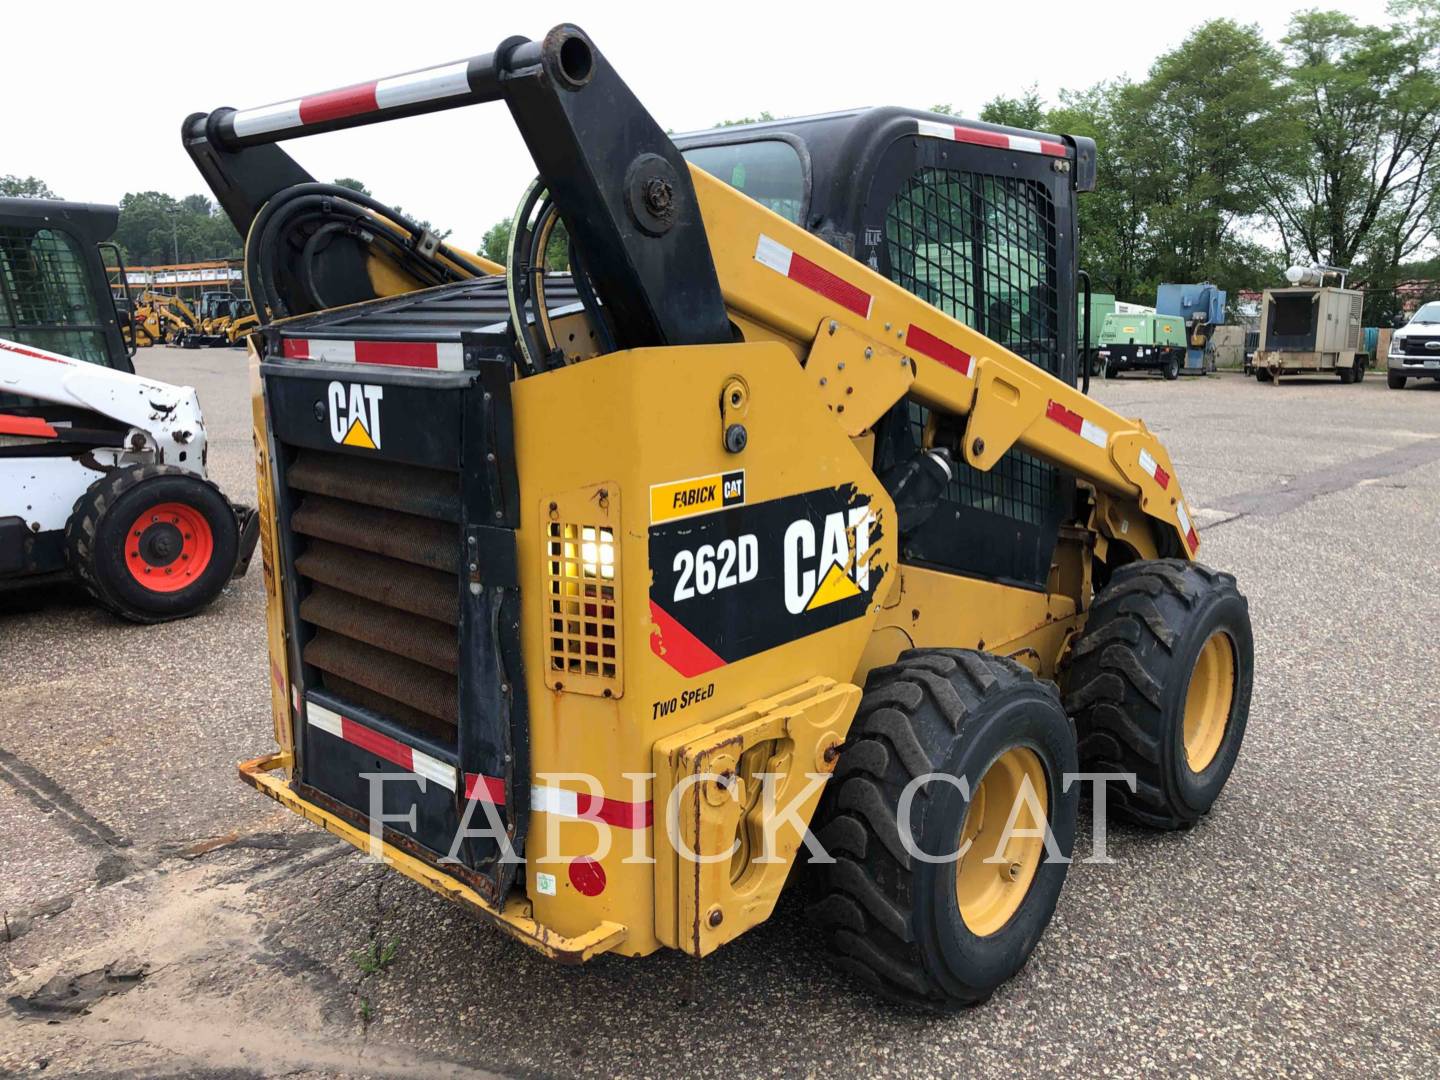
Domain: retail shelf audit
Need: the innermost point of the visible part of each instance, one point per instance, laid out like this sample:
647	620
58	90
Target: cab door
54	291
985	234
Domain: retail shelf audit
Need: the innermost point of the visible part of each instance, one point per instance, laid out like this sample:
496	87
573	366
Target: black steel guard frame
620	185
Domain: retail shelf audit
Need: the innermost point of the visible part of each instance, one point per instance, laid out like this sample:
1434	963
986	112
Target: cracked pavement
168	921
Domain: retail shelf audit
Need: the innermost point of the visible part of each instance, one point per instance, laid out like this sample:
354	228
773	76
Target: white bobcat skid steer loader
102	475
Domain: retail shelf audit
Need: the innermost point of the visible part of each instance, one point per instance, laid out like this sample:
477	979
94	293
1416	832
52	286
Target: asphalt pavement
161	919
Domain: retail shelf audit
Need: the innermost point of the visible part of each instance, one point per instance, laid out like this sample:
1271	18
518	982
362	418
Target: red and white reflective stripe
440	355
922	341
1151	466
37	354
1073	421
578	804
1186	527
980	137
427	84
382	746
489	789
813	276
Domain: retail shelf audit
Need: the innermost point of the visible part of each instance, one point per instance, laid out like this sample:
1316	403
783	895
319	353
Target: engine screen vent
582	618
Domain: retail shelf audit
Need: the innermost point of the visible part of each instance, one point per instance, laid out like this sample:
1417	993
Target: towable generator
770	528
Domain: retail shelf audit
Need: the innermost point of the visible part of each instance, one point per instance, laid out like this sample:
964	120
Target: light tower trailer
1311	327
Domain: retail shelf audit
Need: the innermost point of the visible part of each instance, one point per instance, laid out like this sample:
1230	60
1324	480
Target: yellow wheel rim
991	879
1207	701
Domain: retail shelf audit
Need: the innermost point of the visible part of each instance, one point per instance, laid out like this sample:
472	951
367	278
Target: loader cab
975	219
55	292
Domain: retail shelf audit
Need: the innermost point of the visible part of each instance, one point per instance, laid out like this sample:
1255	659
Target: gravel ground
1293	932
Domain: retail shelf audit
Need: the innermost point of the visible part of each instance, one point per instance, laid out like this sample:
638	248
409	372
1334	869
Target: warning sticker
678	499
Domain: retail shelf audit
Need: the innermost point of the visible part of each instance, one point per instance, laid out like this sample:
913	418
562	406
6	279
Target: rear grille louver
377	559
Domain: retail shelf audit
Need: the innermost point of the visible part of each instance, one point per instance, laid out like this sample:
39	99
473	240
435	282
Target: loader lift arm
644	220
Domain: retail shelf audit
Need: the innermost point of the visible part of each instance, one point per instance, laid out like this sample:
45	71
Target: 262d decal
730	584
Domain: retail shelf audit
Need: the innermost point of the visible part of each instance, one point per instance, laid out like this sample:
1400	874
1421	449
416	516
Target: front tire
944	934
1263	375
1172	369
153	543
1395	382
1159	685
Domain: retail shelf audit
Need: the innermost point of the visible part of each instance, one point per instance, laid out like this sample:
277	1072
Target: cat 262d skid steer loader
590	591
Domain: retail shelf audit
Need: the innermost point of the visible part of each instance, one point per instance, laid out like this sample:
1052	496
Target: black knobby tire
893	919
1126	682
1172	369
1395	382
98	532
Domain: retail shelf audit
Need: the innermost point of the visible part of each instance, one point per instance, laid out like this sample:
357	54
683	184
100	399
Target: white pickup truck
1415	348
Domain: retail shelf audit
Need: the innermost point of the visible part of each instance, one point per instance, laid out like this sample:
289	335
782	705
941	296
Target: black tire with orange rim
1159	685
153	542
938	931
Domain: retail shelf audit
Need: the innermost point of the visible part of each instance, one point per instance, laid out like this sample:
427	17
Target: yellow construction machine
775	531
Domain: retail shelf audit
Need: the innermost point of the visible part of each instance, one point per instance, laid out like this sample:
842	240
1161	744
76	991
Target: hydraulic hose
332	204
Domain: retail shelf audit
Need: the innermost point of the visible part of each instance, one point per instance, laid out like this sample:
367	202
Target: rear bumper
514	918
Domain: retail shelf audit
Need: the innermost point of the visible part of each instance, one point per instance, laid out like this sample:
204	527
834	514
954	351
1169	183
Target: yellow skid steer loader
772	529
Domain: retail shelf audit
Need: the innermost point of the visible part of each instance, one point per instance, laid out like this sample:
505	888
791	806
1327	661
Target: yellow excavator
780	529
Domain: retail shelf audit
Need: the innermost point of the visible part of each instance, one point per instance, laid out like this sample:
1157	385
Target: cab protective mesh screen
981	248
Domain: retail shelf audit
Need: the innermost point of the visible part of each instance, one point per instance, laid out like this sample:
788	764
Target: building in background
188	280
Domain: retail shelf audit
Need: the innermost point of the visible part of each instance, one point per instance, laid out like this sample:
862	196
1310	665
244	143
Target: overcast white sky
91	100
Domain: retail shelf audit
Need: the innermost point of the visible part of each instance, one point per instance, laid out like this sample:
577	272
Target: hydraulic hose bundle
530	234
298	224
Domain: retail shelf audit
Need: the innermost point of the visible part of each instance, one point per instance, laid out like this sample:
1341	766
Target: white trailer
1311	327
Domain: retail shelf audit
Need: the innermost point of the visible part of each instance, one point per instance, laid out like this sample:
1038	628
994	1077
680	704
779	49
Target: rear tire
1347	375
1359	369
898	921
1395	382
1159	686
153	542
1172	369
1263	375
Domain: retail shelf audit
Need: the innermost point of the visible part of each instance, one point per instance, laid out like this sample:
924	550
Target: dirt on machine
767	526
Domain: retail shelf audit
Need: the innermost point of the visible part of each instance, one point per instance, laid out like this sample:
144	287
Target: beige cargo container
1311	329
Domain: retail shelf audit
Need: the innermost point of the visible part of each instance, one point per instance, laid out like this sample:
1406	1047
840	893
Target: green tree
25	187
156	229
1026	111
746	120
495	244
1364	103
1115	243
1208	105
353	184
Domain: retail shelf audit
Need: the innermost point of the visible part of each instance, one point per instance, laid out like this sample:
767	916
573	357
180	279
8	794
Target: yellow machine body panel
591	478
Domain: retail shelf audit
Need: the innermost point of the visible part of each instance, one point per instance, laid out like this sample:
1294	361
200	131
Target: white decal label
355	414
